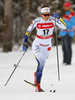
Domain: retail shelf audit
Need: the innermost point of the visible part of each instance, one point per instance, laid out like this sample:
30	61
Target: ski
53	91
32	84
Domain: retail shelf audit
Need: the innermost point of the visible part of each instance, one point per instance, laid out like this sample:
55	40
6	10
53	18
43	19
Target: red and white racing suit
42	44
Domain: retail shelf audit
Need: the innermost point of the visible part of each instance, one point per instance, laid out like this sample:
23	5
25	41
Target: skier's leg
41	53
69	49
64	48
41	62
38	73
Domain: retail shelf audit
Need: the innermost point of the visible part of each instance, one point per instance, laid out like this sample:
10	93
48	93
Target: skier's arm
59	22
25	44
29	30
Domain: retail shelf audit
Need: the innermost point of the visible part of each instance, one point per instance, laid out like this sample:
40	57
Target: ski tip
25	80
50	90
53	91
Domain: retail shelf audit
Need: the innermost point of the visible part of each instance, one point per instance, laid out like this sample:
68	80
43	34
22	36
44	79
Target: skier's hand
59	38
55	15
25	46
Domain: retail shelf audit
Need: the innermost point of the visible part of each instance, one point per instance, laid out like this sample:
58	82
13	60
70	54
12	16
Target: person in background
66	35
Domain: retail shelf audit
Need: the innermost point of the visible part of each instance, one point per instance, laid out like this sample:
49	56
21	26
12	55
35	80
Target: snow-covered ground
17	89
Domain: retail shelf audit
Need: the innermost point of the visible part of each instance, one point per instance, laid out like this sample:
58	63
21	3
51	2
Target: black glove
25	46
59	39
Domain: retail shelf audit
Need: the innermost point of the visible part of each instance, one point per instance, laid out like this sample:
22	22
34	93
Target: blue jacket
70	24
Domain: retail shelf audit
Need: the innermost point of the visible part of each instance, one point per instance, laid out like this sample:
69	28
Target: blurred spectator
66	35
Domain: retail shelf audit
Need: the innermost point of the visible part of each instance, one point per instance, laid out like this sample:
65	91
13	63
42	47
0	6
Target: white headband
45	9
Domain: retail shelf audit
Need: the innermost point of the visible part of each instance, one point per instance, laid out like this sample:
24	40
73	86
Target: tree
8	19
18	14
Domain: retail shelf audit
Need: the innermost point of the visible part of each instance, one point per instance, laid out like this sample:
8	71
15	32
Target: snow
17	89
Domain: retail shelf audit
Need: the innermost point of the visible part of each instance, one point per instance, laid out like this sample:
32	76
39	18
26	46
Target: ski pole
19	60
57	52
14	69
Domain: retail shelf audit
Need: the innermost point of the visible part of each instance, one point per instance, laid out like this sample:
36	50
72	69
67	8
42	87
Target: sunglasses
46	14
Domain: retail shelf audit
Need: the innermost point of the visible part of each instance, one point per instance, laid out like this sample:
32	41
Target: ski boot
38	88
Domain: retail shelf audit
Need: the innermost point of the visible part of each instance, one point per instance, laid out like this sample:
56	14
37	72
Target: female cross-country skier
41	46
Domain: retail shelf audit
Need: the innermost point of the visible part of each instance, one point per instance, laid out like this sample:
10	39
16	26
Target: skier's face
45	16
67	8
